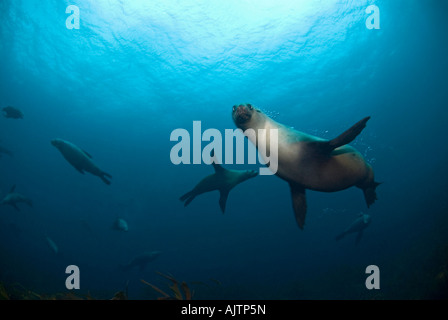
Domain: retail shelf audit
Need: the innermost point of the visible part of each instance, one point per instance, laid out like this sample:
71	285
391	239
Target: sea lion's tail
103	177
370	193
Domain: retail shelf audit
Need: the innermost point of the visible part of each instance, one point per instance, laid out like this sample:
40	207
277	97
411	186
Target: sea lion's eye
234	108
250	106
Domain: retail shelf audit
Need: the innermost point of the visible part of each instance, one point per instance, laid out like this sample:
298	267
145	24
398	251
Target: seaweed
178	292
16	291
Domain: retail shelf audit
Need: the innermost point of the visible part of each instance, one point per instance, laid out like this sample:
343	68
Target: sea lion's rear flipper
188	197
298	203
185	196
359	236
223	199
103	177
370	193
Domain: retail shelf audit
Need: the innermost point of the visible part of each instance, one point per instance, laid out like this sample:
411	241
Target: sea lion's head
57	143
242	113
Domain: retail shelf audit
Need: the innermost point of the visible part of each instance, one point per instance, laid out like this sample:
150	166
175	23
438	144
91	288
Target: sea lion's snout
58	143
55	142
242	113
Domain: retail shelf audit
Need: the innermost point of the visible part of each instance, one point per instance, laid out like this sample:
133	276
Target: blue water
132	73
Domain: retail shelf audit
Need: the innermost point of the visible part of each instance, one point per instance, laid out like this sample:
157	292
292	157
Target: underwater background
135	71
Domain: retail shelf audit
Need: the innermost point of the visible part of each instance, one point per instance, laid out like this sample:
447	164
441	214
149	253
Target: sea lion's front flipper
223	199
327	147
298	203
349	135
16	207
12	189
87	154
218	168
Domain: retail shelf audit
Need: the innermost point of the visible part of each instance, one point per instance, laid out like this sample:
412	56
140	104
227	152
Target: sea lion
79	159
13	113
141	260
120	225
52	245
309	162
357	226
13	198
222	180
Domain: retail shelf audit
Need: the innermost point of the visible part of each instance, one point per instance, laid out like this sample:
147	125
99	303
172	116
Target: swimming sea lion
309	162
120	225
52	245
222	180
13	198
79	159
141	260
357	226
13	113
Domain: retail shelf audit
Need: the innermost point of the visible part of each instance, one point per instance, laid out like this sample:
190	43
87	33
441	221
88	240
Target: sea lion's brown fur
309	162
